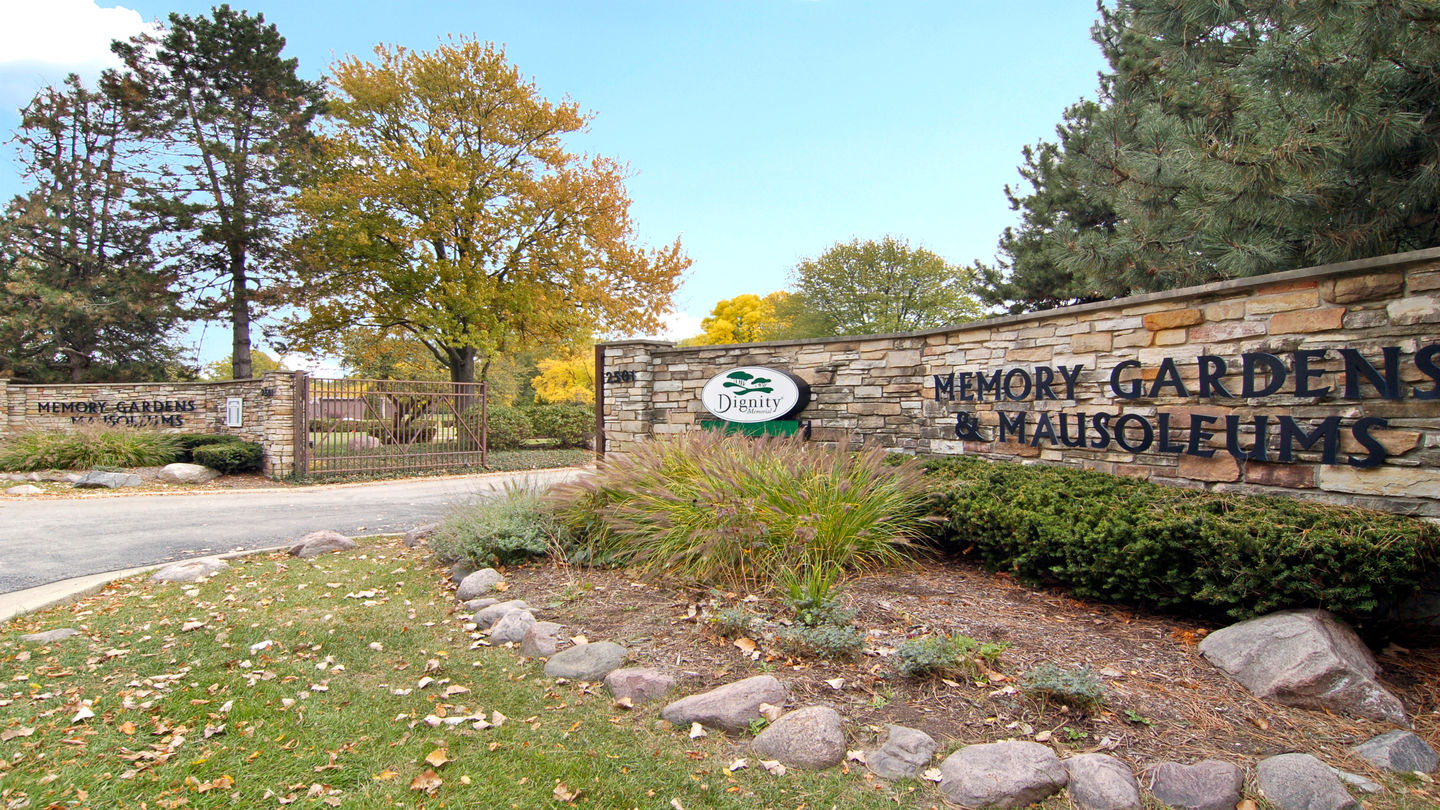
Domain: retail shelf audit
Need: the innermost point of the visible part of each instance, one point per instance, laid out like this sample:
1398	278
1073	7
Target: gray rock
71	478
50	636
96	479
190	570
1001	774
1207	785
638	684
730	707
482	581
480	604
541	640
586	662
24	489
487	616
460	570
420	534
904	755
322	542
1398	750
512	627
1357	781
812	738
1304	658
1302	782
358	443
13	477
1101	782
186	474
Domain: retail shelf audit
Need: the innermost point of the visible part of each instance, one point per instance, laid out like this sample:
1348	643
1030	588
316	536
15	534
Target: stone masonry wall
1373	437
199	407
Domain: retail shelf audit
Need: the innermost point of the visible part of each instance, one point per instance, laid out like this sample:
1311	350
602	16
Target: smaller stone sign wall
1322	383
267	410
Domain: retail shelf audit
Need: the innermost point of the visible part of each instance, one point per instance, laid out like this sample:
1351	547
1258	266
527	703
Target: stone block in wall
1422	282
1093	342
1220	467
1306	321
1290	476
1362	288
1285	302
1415	309
1133	339
1224	310
1226	330
1159	321
1387	481
1170	337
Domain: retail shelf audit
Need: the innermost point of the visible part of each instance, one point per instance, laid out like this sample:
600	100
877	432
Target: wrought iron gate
380	427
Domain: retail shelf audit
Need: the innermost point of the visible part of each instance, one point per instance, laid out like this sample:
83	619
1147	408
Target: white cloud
72	34
680	325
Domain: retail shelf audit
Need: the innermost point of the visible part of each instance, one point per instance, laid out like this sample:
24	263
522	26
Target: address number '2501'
619	377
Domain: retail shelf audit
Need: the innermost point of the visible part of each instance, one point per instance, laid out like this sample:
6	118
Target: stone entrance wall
1186	375
267	414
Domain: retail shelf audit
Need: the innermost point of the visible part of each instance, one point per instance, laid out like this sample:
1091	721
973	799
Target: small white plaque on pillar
234	410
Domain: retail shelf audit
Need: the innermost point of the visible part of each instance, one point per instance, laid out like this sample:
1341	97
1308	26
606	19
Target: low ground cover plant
1119	539
1077	687
515	527
946	656
728	511
86	449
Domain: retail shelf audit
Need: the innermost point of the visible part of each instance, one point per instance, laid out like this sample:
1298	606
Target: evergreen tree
85	296
233	117
1236	138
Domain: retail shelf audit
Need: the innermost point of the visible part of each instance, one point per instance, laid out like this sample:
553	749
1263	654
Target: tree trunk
240	368
461	361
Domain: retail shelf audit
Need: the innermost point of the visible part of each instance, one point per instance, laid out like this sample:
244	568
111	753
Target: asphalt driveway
47	540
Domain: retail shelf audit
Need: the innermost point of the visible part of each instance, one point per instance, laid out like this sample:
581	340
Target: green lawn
334	712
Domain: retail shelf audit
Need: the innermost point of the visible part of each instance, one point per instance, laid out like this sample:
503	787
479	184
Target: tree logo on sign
748	384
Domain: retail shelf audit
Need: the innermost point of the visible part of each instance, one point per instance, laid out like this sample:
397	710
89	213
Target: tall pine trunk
240	367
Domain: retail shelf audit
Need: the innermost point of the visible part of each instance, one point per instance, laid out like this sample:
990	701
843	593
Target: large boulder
1398	750
1101	782
904	755
181	473
1207	785
96	479
586	662
1001	774
190	570
482	581
812	738
638	684
24	489
730	707
1305	658
1302	782
322	542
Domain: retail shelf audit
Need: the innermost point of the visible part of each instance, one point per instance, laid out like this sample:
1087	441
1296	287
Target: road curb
31	600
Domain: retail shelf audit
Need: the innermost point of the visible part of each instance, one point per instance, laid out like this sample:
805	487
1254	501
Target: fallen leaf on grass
697	731
737	765
745	644
437	757
385	775
565	794
624	703
836	683
11	733
855	756
773	766
769	712
933	775
84	714
429	781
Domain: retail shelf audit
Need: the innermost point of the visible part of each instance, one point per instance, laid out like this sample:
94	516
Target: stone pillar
278	388
628	380
4	407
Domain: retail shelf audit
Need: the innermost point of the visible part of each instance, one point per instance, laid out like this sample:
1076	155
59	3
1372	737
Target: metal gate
381	427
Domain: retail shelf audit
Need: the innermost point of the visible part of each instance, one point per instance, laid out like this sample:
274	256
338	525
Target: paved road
44	541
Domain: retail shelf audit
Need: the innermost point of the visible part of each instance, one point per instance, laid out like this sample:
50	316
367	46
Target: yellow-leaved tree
746	318
565	378
446	207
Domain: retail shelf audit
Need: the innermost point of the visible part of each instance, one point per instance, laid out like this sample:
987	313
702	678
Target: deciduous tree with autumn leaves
446	206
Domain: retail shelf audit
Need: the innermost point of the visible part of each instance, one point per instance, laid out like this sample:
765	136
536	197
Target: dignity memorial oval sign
754	394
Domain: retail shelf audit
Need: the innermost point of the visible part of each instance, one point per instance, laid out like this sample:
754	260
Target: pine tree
1236	138
85	297
234	117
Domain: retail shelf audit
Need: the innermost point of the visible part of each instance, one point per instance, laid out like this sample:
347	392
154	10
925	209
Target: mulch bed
1163	701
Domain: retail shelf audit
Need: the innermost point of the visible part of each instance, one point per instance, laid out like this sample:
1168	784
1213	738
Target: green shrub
949	656
829	641
87	449
810	591
187	443
1114	538
735	512
508	427
570	425
1077	688
733	622
504	530
230	457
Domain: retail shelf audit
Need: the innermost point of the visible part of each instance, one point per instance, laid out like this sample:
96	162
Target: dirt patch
1163	701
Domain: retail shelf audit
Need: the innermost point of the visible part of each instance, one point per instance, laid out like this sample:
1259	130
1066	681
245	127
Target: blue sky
759	131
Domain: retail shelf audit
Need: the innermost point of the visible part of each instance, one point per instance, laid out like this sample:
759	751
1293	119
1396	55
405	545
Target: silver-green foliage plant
1078	688
735	512
88	449
944	656
831	641
511	528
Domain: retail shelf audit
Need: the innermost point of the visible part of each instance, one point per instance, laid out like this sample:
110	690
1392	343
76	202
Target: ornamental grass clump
734	512
512	528
87	449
